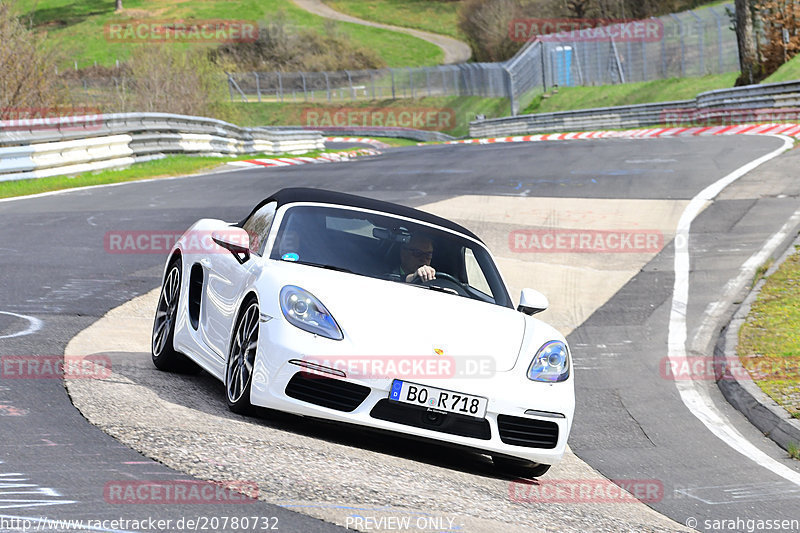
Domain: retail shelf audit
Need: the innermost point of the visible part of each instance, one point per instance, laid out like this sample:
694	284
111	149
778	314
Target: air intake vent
195	294
527	432
421	417
326	392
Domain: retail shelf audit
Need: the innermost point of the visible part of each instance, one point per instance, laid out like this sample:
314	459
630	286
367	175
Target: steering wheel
448	277
445	281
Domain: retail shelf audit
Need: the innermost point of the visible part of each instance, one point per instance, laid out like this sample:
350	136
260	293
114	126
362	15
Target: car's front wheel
165	357
242	357
519	467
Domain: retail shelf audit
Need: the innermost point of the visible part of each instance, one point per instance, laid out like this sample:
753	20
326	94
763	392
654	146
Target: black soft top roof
304	194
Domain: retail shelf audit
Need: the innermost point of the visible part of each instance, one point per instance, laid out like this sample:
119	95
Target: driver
415	259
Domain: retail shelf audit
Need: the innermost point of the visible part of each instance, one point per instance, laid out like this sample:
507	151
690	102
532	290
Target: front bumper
510	395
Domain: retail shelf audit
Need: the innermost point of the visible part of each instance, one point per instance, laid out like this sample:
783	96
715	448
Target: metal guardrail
773	102
69	145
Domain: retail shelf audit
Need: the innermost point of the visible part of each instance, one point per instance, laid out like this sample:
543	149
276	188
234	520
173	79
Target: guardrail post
598	70
350	82
327	85
700	42
629	58
232	83
643	45
394	93
280	86
577	55
663	54
428	79
510	91
305	94
618	63
544	69
720	61
683	44
258	86
411	82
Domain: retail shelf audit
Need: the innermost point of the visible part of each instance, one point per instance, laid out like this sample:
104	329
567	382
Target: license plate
438	399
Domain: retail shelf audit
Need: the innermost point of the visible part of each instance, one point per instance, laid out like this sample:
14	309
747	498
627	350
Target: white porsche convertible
355	310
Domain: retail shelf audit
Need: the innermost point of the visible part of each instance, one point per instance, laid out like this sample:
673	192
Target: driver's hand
425	273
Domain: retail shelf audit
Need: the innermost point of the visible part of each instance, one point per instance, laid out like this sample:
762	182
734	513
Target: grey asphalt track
630	423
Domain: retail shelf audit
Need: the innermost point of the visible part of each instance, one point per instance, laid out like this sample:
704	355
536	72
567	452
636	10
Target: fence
39	148
692	43
481	79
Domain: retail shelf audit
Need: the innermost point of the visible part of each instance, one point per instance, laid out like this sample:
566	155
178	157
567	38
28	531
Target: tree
119	5
749	66
27	83
580	8
780	21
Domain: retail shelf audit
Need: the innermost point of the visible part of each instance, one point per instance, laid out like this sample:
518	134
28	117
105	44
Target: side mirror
234	239
532	302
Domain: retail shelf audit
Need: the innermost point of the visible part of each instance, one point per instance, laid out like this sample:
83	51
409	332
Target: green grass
76	28
789	71
794	451
435	17
769	340
464	109
177	165
394	141
569	98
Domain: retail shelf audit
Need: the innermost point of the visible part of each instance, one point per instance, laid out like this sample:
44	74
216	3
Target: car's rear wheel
161	345
242	357
519	467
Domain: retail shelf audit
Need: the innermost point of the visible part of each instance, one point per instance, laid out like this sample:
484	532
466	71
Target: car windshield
387	247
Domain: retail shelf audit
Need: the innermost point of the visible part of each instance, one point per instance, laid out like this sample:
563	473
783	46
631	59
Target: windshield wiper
328	267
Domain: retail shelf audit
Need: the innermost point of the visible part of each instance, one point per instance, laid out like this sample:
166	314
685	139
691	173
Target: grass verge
394	141
787	72
176	165
570	98
435	17
769	340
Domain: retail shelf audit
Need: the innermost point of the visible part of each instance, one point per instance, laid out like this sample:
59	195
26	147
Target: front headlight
303	310
551	363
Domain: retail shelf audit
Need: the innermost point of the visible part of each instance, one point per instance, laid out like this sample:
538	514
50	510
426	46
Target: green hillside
77	28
